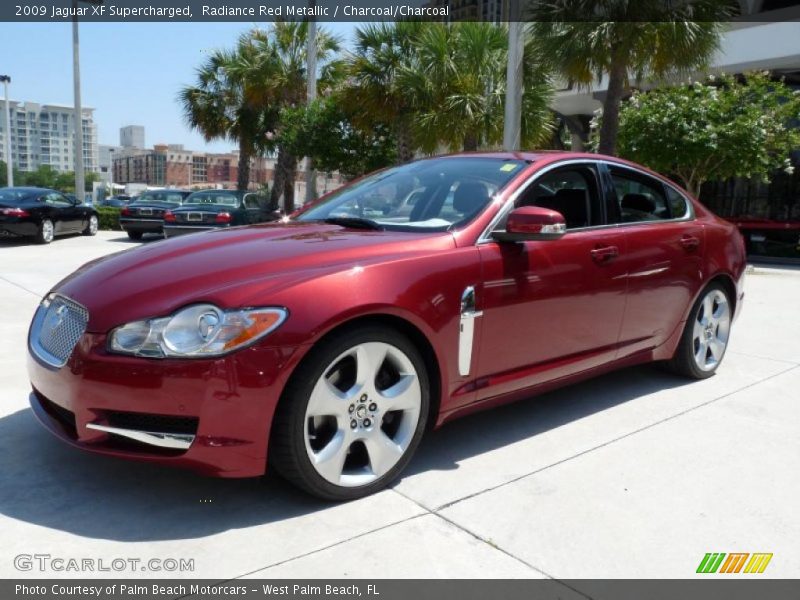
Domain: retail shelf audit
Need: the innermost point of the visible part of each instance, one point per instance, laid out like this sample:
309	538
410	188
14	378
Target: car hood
232	267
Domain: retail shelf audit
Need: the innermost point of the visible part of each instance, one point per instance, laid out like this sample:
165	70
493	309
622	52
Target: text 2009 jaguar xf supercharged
324	347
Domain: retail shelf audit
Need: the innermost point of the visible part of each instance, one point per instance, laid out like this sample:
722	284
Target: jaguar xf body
324	346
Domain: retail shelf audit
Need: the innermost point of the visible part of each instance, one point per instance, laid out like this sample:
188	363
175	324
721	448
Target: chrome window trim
486	235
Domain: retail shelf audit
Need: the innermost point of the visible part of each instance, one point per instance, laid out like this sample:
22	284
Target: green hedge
109	218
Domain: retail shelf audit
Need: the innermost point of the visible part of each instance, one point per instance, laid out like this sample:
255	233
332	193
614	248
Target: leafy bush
725	127
108	217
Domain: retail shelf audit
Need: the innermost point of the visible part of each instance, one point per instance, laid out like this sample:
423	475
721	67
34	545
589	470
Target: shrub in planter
109	218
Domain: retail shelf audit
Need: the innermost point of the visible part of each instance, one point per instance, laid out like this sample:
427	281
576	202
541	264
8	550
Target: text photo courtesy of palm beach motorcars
475	297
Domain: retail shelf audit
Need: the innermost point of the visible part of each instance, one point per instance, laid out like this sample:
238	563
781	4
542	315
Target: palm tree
219	107
281	70
634	39
458	83
383	52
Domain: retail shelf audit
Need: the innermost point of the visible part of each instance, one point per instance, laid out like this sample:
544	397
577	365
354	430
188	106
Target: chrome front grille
57	326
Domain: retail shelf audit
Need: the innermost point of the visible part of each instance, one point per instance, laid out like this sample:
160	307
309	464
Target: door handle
604	254
690	243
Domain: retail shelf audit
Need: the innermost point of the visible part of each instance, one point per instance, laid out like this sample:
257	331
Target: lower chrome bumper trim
179	441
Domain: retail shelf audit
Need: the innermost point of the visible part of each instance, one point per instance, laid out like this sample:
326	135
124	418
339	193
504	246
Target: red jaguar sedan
324	346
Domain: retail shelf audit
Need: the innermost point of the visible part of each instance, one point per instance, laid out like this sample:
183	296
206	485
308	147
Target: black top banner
116	11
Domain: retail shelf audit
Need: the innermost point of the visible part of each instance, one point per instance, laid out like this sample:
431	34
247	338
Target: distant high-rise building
44	134
131	136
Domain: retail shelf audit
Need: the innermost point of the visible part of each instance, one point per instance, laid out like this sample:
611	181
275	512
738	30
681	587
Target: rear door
664	260
552	308
253	208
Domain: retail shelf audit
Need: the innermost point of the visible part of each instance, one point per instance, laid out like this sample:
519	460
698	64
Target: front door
552	308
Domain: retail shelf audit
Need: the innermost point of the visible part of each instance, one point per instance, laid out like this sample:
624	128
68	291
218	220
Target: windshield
212	198
436	194
163	197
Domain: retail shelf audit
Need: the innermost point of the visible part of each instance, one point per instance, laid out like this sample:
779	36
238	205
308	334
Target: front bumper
210	416
142	225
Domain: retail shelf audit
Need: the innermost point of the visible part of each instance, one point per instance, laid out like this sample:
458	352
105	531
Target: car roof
29	190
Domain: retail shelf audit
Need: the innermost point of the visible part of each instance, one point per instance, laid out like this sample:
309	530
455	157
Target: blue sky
130	72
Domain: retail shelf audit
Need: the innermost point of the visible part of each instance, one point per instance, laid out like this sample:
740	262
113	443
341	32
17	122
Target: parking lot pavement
634	474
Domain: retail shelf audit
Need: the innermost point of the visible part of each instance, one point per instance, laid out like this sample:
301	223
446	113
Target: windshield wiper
355	223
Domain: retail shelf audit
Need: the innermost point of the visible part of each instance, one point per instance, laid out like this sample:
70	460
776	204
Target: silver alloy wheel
93	225
47	230
711	330
362	414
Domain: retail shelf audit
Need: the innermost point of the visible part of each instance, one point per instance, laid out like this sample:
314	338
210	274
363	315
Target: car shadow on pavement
124	239
485	431
47	483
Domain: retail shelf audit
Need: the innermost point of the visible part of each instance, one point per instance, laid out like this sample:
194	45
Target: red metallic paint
554	313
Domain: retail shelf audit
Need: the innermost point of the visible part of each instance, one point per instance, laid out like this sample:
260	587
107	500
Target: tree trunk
693	187
616	88
405	150
277	180
470	142
243	177
290	175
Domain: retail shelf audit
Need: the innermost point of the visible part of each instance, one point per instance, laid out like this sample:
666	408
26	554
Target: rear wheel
91	226
46	232
135	235
353	415
705	337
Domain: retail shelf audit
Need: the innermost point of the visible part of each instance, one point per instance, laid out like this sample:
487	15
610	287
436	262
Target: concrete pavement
634	474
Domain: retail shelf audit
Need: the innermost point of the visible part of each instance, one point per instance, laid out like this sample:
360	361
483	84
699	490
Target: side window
251	202
640	198
572	191
678	206
55	199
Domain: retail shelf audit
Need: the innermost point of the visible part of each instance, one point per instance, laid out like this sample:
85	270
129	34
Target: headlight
196	331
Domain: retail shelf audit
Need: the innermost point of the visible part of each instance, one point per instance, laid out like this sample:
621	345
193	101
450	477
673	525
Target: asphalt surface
636	474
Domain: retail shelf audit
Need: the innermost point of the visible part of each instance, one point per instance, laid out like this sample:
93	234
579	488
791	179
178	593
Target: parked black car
146	213
43	214
212	209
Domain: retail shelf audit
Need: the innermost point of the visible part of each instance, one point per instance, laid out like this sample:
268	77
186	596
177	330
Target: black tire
287	450
89	230
41	236
683	361
135	235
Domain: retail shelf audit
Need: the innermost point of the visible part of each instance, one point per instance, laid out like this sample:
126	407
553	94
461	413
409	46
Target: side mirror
532	223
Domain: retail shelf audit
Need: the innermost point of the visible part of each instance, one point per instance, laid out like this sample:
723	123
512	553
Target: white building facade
44	134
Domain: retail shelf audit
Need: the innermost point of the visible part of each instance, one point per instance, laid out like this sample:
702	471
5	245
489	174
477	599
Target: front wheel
705	337
91	226
353	415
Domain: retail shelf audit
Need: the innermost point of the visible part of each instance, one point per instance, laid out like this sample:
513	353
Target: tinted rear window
168	197
11	195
